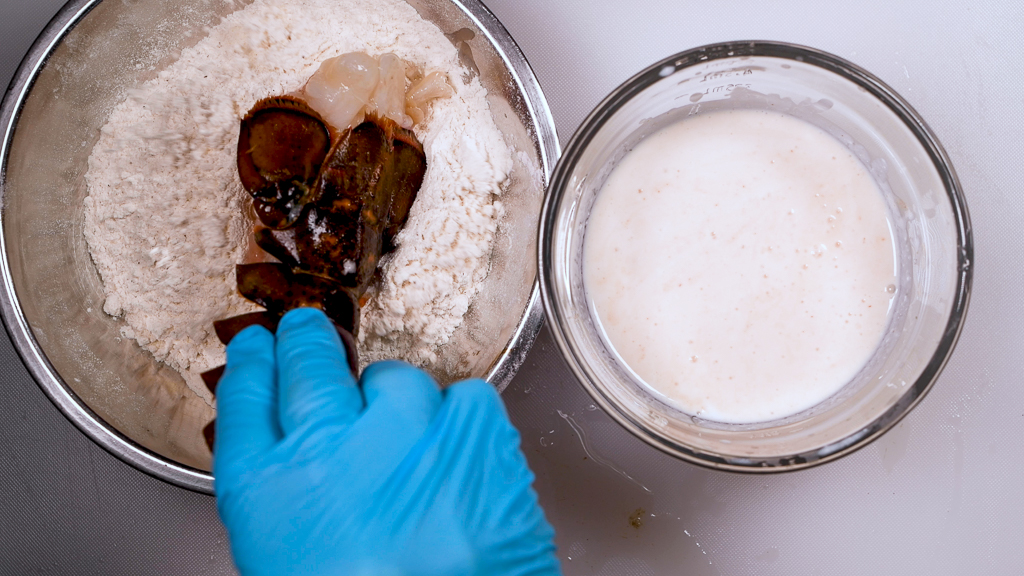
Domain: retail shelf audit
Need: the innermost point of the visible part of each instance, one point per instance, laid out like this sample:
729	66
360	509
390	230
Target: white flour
165	212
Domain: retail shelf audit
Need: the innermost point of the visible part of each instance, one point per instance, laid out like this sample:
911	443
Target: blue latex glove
316	474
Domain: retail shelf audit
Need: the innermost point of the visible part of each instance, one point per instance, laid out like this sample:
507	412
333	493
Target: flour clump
165	214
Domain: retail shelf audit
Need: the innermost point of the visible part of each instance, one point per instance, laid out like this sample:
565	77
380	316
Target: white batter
741	264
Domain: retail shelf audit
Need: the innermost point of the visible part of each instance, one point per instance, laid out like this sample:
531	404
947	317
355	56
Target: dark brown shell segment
367	186
282	144
228	328
279	289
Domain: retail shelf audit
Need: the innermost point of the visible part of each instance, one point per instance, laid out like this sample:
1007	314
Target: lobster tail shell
282	144
332	202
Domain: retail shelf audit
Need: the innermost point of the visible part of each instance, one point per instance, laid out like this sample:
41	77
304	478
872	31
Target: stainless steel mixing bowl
81	66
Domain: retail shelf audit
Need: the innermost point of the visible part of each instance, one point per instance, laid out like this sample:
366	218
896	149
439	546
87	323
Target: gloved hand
317	475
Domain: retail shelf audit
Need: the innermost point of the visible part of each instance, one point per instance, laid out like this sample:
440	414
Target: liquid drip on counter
741	264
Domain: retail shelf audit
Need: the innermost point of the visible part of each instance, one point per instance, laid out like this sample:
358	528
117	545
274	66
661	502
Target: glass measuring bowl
932	236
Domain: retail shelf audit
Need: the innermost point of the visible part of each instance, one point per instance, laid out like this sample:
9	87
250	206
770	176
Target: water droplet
544	442
593	455
891	288
591	408
667	71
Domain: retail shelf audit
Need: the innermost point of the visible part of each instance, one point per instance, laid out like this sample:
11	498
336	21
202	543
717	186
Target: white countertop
942	493
939	494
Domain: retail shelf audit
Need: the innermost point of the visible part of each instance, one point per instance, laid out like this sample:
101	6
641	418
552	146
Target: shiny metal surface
932	234
136	408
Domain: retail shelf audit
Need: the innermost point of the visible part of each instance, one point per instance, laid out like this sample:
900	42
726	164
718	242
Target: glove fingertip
401	386
246	400
299	318
306	338
384	366
315	383
388	373
480	411
476	391
254	339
